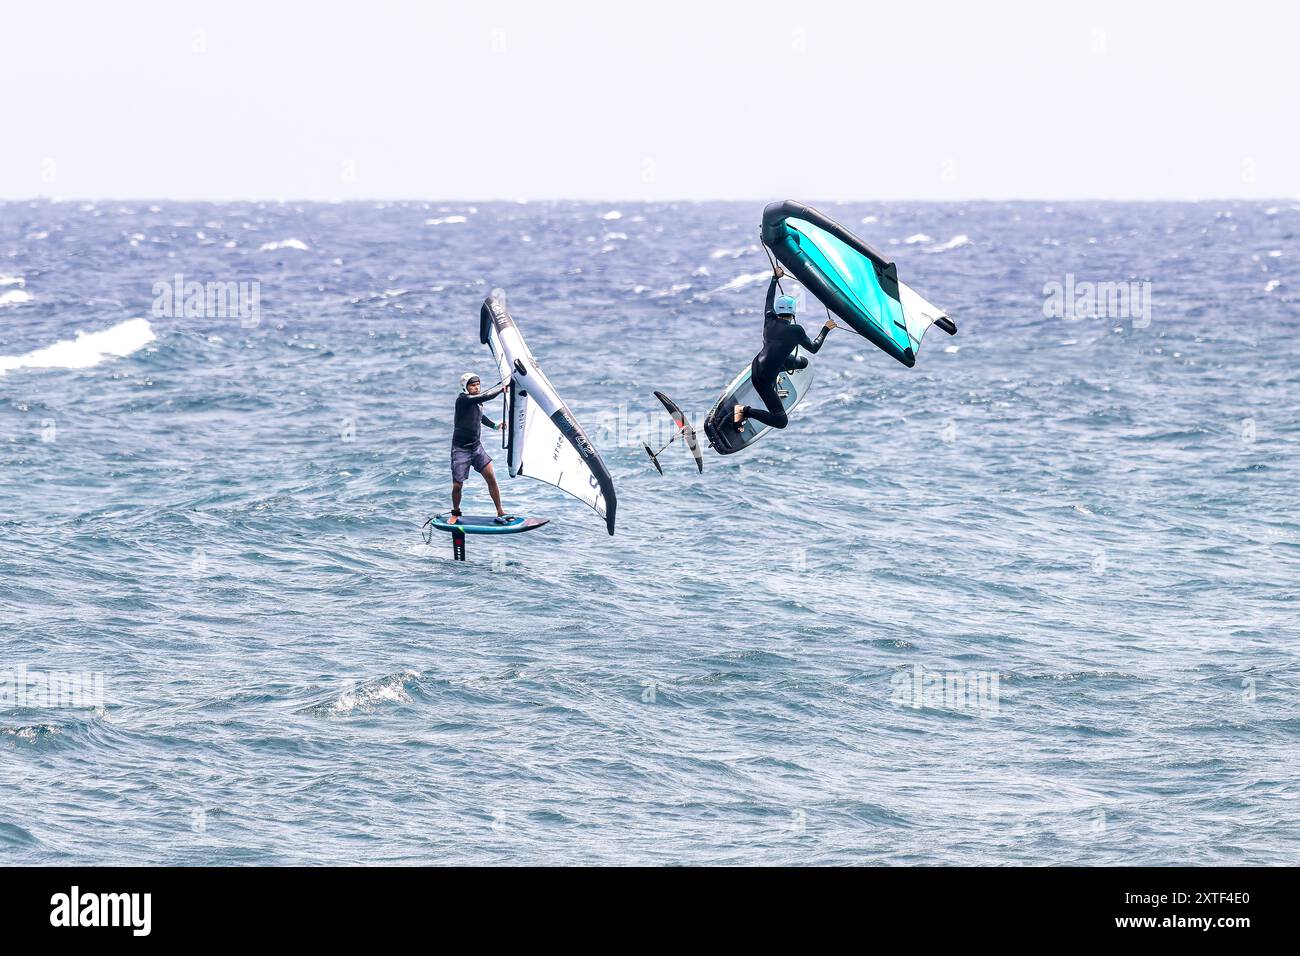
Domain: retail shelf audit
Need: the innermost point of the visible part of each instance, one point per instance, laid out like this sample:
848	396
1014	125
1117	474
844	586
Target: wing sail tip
485	315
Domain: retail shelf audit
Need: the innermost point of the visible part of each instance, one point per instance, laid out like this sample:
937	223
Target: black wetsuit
469	420
780	338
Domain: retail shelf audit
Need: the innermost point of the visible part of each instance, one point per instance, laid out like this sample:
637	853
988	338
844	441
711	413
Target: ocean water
1033	601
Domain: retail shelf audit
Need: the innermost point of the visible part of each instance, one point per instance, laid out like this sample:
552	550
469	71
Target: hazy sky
415	99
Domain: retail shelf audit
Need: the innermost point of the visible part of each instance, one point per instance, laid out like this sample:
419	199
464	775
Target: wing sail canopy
545	441
853	279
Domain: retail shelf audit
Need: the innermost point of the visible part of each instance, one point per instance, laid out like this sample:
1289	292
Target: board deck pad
725	438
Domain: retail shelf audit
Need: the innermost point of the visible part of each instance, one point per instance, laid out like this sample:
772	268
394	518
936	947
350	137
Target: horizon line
646	202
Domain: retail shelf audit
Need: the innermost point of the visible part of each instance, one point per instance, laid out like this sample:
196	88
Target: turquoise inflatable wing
851	278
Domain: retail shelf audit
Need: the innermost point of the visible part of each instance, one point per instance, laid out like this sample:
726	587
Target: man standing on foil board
467	447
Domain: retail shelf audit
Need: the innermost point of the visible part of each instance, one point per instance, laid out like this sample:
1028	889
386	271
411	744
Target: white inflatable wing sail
544	441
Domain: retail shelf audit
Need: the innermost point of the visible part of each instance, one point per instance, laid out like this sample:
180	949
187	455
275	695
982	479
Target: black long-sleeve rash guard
780	338
469	420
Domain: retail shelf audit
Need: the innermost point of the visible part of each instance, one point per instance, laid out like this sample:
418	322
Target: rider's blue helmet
785	305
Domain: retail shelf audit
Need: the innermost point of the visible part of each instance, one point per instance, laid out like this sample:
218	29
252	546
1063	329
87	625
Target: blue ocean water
1033	601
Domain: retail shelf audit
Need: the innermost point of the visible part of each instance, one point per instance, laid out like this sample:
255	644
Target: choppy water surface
1085	529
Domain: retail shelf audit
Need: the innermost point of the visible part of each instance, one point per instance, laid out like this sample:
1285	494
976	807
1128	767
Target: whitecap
286	244
87	349
445	220
733	253
748	278
612	214
956	242
366	697
15	297
676	288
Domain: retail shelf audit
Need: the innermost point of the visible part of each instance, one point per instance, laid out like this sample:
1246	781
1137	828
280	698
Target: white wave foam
676	288
15	297
86	350
733	253
366	697
612	214
286	244
445	220
12	280
918	237
748	278
956	242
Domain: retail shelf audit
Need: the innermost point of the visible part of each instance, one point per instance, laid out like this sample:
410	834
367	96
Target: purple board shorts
462	458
